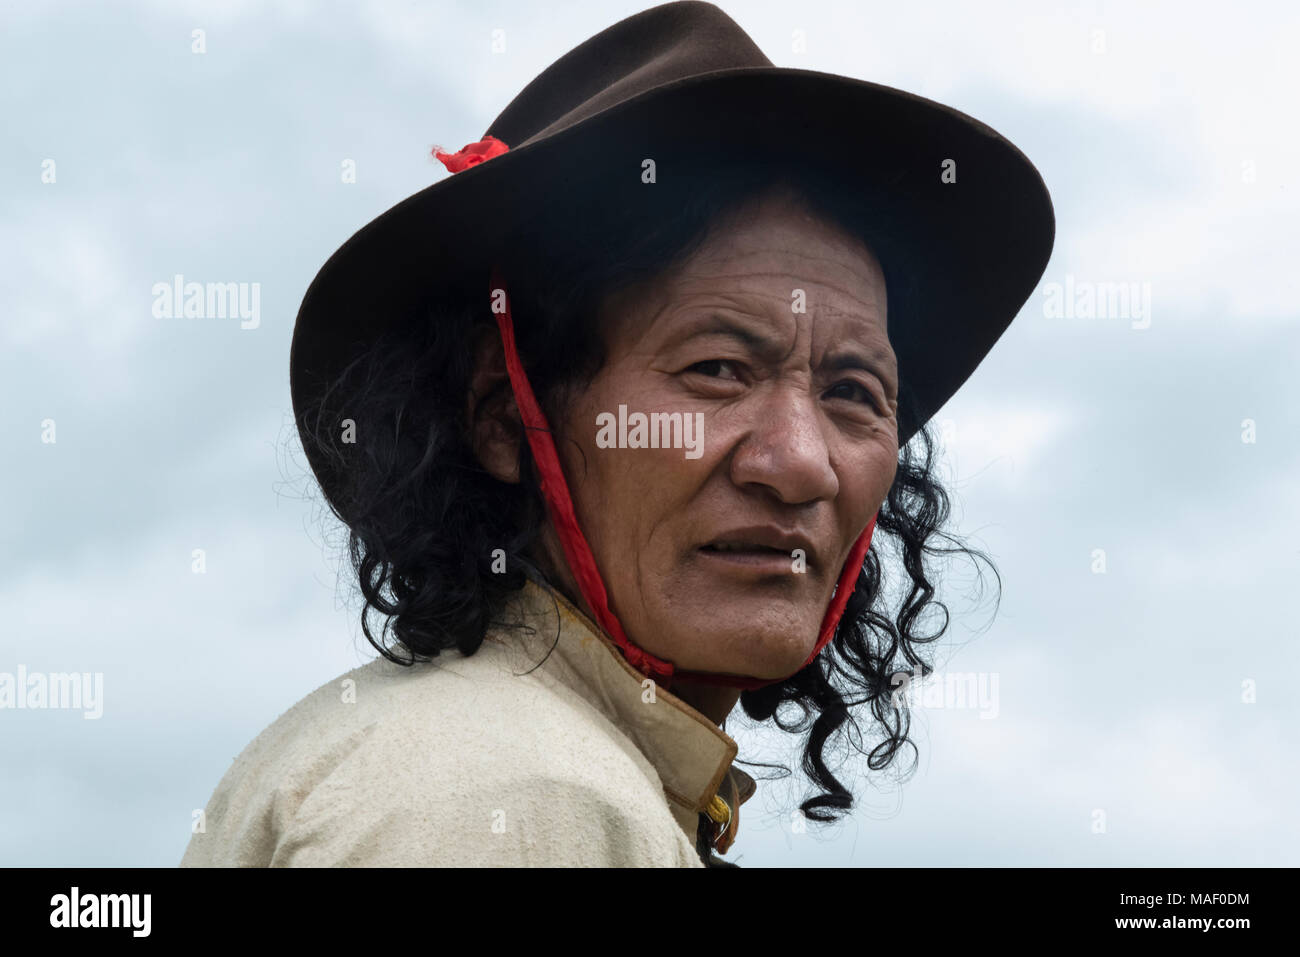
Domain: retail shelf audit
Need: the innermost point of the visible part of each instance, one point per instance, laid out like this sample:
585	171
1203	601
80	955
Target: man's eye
714	368
849	389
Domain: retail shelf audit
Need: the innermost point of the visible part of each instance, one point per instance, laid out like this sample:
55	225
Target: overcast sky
1143	712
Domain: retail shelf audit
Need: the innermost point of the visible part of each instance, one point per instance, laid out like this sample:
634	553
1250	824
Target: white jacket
508	757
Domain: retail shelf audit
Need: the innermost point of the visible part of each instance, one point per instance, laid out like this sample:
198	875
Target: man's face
773	338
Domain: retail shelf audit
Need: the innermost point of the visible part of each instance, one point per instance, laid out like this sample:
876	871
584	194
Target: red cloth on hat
470	155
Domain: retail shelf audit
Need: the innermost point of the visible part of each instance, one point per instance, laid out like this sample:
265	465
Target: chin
766	646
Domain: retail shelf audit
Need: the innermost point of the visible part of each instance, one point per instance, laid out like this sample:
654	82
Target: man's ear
495	429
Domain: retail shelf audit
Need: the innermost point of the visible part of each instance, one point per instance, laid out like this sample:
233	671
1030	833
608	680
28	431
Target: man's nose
785	448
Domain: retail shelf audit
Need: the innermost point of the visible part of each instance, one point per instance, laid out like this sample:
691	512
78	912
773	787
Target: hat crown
658	46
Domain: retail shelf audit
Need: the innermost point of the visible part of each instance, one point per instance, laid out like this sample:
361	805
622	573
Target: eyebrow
879	361
713	323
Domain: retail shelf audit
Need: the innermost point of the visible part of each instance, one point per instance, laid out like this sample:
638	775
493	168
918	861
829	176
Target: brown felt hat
674	83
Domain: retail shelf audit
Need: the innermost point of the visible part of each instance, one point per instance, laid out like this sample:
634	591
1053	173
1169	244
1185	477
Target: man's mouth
743	547
765	554
761	548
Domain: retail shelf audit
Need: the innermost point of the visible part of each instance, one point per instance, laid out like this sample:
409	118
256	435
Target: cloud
1121	691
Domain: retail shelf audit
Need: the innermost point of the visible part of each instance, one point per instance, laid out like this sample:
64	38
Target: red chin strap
581	561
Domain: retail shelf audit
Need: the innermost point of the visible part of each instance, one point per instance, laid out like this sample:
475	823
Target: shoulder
459	761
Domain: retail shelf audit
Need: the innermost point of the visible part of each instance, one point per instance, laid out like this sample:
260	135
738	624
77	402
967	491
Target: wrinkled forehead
774	261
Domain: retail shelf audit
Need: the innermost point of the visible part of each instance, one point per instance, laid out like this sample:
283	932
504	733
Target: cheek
640	507
867	480
883	468
624	497
639	497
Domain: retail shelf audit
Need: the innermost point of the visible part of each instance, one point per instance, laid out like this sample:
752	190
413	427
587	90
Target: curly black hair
424	517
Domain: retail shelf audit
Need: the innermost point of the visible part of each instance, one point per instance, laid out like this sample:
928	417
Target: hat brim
983	240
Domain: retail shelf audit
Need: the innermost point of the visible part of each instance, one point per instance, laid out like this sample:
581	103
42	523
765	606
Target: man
632	234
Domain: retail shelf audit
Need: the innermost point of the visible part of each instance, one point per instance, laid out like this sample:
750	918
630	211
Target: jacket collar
692	755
